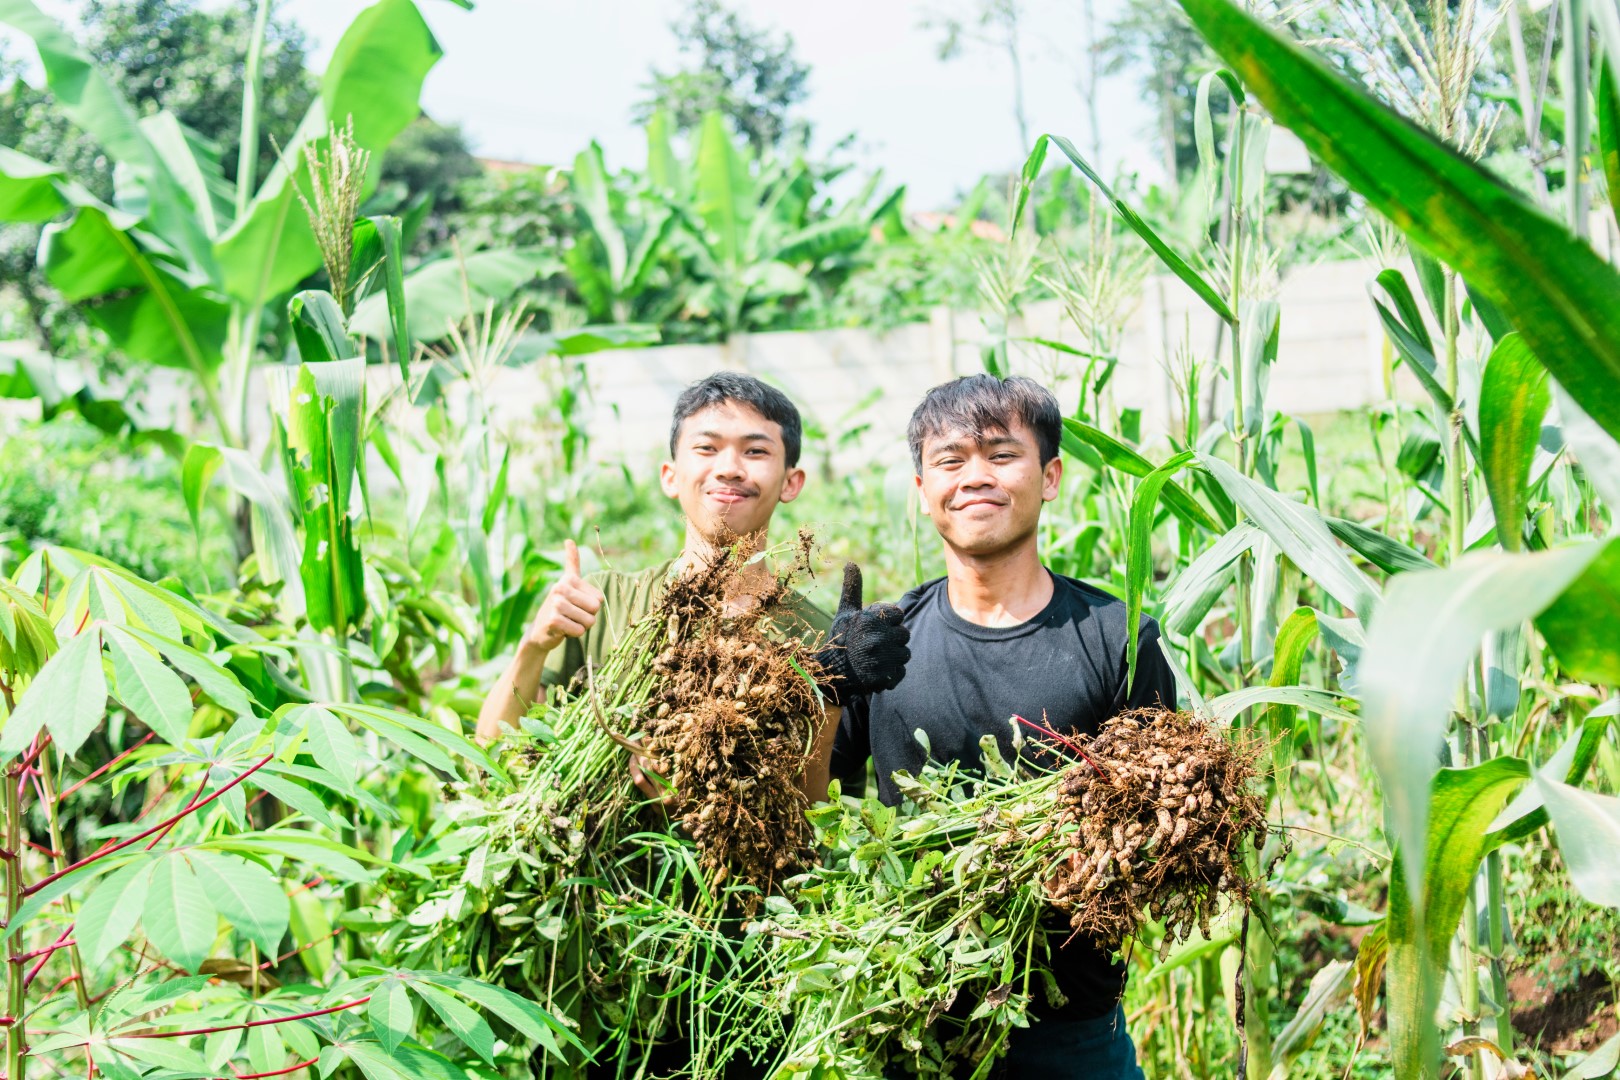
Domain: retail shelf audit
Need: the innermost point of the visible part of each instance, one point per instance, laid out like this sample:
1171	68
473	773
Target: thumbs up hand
569	609
867	649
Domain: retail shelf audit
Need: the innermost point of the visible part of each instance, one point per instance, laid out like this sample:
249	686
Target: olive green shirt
627	597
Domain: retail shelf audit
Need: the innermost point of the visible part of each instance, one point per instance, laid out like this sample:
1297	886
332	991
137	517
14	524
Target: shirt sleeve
852	746
1155	684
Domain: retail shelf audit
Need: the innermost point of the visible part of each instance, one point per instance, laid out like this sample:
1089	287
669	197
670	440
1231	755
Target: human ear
666	479
792	484
922	497
1051	476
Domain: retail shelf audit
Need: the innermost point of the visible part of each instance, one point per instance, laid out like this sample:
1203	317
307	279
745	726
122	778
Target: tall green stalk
1240	427
1577	76
242	333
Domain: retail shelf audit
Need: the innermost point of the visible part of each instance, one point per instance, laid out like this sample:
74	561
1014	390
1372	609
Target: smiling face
729	471
984	491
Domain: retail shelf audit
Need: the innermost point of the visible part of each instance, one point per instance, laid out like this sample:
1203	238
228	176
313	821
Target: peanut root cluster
1164	808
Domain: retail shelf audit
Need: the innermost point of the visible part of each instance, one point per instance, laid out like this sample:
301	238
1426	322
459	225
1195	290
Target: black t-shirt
1065	668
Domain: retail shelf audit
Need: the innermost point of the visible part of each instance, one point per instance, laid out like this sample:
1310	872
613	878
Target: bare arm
513	692
818	770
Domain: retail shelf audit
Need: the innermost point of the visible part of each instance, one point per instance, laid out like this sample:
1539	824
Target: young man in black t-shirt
1001	635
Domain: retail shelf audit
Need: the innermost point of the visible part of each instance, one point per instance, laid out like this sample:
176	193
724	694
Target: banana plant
179	270
757	236
625	237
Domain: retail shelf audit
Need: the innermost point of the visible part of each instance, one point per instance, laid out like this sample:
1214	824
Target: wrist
534	650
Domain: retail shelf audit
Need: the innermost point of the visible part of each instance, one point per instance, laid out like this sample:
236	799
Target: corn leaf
1527	813
323	439
1555	289
1462	803
1419	645
1167	255
1608	112
1117	455
1301	534
1588	829
1513	400
1139	551
1571	625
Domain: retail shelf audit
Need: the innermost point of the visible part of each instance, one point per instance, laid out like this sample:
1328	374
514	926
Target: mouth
969	504
730	496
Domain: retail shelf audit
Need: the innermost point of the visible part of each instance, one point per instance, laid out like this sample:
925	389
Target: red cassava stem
148	737
104	852
278	1072
251	1023
40	743
284	957
62	942
202	785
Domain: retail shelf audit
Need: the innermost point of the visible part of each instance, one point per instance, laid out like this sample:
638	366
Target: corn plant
1520	574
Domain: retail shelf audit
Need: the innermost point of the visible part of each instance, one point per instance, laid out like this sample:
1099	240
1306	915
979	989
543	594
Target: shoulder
1085	600
624	582
923	598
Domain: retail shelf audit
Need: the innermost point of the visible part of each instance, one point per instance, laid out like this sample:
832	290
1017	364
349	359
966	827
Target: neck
699	548
1002	589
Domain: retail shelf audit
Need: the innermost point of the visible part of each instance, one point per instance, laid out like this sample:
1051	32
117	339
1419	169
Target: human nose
976	473
728	465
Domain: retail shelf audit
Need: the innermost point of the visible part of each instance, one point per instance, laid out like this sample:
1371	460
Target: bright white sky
535	80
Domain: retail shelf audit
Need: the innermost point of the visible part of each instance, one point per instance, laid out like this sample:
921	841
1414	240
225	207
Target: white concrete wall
1329	358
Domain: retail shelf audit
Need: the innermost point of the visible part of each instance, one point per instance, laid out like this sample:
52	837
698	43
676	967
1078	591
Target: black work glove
866	650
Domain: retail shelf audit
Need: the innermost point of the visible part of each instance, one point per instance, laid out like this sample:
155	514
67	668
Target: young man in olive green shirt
734	453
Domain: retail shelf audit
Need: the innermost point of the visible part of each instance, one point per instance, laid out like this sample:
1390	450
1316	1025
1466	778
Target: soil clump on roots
1164	807
734	715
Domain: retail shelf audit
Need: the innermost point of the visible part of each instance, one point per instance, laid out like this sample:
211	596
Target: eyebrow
957	446
752	436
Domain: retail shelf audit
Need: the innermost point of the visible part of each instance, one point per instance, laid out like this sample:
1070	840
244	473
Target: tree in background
1156	41
424	172
174	55
745	72
995	25
164	54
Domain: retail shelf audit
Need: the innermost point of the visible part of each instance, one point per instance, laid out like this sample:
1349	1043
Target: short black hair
733	386
978	404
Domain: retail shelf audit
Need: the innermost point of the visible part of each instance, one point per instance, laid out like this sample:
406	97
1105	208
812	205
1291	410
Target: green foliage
743	72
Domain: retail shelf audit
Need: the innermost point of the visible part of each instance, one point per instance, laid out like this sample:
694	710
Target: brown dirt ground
1573	1020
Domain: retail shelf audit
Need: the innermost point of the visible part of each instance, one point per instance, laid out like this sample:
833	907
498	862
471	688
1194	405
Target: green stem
1455	462
1240	425
247	158
1577	75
